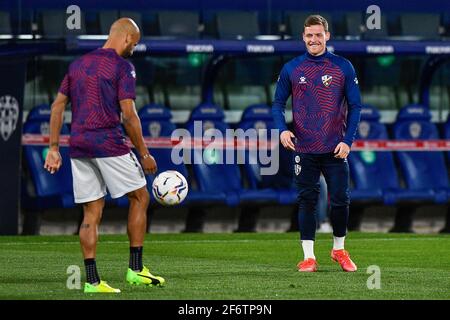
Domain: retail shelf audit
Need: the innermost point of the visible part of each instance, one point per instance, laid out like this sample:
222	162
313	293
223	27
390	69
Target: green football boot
102	287
144	277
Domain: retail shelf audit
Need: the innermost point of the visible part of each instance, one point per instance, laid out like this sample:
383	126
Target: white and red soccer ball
170	188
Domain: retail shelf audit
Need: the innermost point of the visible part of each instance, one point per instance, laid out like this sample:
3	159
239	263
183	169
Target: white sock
338	243
308	249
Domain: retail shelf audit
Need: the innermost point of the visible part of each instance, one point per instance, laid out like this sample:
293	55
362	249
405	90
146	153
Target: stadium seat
374	176
49	190
446	25
446	229
5	23
210	168
18	23
237	25
155	121
420	26
447	135
425	173
99	22
352	25
53	24
259	117
243	82
210	176
377	34
372	172
271	22
181	77
179	24
106	19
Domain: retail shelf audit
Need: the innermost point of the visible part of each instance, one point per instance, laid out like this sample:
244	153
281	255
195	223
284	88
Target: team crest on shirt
302	80
326	80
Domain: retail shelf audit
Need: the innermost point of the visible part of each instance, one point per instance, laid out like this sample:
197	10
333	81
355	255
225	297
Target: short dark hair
316	19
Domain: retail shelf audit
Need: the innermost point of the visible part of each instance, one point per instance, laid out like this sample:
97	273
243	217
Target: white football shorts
92	176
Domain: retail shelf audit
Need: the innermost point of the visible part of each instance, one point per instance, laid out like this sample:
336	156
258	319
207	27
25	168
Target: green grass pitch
231	266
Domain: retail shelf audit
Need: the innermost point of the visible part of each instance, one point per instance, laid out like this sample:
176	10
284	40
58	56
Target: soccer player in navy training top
326	106
101	88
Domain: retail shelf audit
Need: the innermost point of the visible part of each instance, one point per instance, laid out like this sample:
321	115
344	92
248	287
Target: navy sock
136	258
92	276
339	220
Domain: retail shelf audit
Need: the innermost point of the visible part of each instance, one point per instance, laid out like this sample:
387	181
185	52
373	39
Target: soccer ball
170	188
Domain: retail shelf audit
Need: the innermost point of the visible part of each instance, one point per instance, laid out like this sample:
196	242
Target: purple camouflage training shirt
95	83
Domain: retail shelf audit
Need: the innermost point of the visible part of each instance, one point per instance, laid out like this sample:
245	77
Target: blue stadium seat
446	229
447	135
155	121
179	24
237	24
259	117
5	23
373	173
425	173
278	186
212	173
210	176
420	26
106	19
375	176
53	24
51	191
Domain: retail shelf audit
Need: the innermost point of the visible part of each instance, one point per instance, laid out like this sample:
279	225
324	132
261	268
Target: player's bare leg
89	227
137	216
88	239
137	273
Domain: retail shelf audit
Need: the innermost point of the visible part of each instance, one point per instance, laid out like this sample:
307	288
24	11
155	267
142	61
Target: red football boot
343	258
308	265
